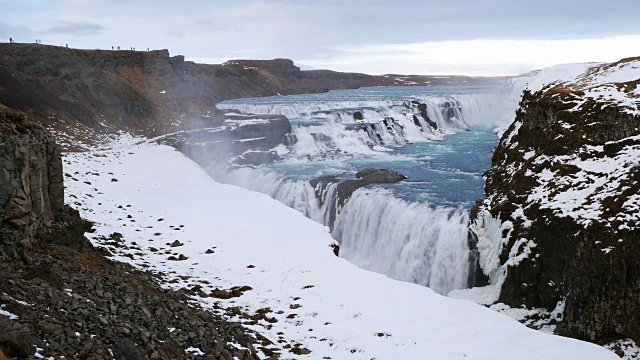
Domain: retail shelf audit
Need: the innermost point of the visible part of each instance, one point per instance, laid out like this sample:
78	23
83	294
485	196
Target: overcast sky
475	37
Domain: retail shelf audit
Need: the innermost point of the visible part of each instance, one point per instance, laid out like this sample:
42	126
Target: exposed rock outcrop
241	139
366	177
61	297
80	94
82	305
345	188
564	184
31	182
422	110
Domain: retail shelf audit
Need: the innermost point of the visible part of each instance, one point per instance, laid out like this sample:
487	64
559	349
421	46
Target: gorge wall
564	188
78	93
31	182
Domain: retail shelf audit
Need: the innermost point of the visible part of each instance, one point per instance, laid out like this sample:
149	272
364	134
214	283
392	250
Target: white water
406	241
478	108
296	194
377	230
330	118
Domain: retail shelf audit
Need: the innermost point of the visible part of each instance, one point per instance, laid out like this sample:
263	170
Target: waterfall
385	123
296	194
376	229
406	241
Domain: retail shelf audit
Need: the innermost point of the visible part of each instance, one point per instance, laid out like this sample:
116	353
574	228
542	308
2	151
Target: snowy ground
154	195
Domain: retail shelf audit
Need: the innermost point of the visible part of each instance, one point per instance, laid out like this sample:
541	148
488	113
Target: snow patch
328	305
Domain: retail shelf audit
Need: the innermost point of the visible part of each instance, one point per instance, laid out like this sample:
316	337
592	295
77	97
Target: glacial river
414	230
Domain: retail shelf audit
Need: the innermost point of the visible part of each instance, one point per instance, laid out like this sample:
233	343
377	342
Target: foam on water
406	241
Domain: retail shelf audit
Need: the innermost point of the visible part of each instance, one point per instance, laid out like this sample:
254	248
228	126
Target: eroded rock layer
565	184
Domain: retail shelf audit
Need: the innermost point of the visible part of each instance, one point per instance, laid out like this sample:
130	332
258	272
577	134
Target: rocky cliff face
80	94
77	93
234	138
61	297
31	182
559	226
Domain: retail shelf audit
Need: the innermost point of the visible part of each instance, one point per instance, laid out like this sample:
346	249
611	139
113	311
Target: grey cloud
76	28
320	29
7	31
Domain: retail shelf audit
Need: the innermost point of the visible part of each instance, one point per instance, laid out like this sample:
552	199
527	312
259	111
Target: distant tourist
112	48
67	45
10	40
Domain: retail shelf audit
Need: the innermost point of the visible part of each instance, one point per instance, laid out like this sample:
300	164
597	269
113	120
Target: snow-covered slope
601	82
312	299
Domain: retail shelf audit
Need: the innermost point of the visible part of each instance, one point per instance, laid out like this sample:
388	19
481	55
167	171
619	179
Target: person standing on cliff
10	40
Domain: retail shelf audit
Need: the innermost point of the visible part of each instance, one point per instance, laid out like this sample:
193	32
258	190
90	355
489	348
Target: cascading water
415	230
406	241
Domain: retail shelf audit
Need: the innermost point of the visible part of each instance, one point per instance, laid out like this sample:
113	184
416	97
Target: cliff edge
558	228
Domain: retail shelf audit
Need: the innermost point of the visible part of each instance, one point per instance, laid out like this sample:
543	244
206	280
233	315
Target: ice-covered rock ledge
311	300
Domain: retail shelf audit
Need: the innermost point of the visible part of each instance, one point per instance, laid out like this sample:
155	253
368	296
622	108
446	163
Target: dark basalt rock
422	108
601	289
248	139
366	177
476	277
31	188
358	115
144	91
321	184
70	300
257	158
346	188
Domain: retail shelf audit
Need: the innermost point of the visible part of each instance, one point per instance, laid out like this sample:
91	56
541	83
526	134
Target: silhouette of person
10	40
67	46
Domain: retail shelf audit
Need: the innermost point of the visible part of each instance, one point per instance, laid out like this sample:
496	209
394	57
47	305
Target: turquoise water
379	93
415	230
447	172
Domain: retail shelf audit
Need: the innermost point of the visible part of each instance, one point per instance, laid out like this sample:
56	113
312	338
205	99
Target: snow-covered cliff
559	220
